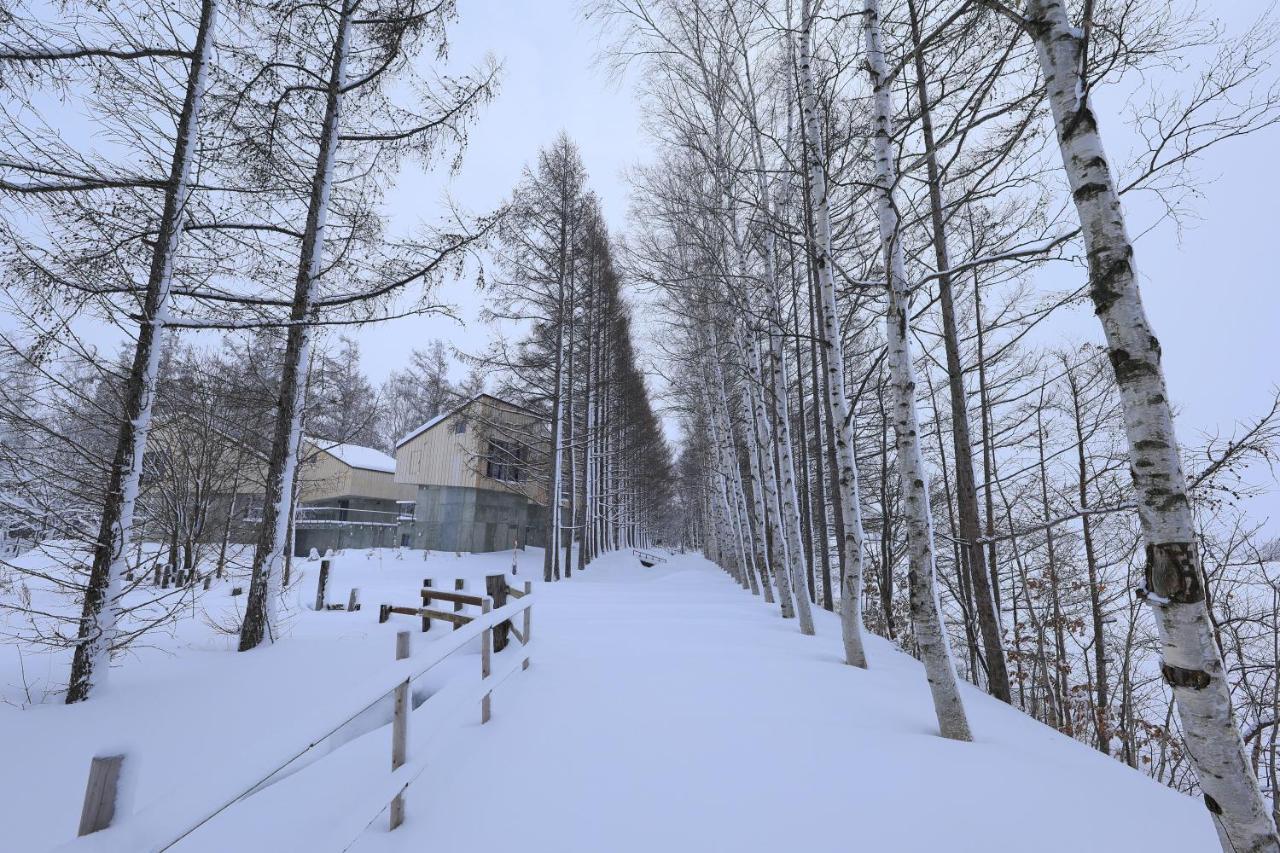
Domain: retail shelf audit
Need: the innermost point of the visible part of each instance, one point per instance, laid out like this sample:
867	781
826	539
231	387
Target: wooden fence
170	822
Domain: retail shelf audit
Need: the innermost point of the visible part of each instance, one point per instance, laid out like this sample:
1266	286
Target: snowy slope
666	710
191	713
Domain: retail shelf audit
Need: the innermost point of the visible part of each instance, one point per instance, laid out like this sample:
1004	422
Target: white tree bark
736	564
1175	591
731	451
782	434
269	557
935	646
833	340
753	466
778	552
100	614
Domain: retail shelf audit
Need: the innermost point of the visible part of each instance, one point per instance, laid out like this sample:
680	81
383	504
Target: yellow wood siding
440	456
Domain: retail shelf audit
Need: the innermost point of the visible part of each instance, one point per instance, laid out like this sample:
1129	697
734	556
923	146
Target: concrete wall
456	518
345	536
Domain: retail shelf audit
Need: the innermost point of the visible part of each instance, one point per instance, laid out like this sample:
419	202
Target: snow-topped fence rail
162	825
646	559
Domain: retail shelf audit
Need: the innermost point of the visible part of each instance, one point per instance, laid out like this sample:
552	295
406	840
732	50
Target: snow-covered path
668	710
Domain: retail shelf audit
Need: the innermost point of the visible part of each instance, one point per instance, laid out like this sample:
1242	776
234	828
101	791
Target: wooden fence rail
162	825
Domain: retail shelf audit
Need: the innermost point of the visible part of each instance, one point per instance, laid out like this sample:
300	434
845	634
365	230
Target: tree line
845	218
570	353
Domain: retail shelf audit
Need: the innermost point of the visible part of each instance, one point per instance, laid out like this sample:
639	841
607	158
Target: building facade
347	498
470	470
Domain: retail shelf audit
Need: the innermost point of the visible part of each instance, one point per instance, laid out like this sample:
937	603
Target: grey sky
549	83
1212	296
1211	291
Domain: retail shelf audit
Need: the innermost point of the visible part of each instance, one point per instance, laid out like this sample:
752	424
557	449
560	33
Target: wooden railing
163	825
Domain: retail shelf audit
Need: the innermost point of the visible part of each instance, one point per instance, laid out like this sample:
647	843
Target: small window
247	507
459	425
504	461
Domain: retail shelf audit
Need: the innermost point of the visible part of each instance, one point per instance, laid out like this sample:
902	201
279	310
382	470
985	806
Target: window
247	507
504	461
459	425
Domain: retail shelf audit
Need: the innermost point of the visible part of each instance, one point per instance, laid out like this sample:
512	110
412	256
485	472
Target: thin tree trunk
833	341
777	539
100	611
962	445
935	645
822	532
1102	715
268	557
759	536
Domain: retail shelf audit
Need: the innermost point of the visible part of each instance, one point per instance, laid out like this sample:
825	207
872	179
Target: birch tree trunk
962	443
736	548
569	432
100	611
935	646
1175	587
759	537
268	557
749	548
777	554
782	435
833	341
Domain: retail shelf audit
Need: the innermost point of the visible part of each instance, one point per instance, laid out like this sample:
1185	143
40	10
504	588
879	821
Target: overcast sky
549	84
1211	292
1212	296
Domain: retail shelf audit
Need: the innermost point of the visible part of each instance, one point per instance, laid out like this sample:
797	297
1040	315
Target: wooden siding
441	456
324	476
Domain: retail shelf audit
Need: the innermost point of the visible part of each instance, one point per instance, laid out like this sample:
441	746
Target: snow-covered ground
665	710
193	715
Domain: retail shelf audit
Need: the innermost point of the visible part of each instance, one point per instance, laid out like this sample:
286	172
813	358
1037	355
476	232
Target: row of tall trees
843	224
569	354
217	165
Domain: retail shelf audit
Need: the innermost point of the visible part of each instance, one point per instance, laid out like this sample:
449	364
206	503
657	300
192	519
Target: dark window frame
505	461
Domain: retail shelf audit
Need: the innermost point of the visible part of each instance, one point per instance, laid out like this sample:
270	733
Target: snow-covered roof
357	456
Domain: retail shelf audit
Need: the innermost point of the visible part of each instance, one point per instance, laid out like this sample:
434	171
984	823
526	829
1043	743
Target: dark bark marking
1176	676
1091	190
1173	572
1108	277
1129	369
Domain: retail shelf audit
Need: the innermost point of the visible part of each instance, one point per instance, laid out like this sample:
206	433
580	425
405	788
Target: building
347	497
470	470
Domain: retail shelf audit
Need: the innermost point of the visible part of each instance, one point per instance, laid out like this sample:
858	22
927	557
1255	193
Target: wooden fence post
321	584
100	793
384	613
426	621
460	585
528	620
486	660
353	600
400	728
496	588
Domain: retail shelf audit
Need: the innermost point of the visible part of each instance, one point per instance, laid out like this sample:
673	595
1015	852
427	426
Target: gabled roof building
470	470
